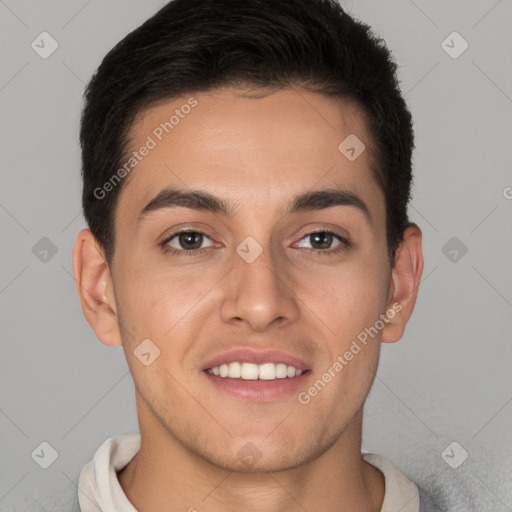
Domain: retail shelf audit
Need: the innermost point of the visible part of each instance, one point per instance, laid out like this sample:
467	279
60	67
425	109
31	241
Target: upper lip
256	356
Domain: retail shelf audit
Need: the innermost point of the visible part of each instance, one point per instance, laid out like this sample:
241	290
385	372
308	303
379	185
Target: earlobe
405	280
95	288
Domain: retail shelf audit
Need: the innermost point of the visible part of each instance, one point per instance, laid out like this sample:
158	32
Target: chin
258	455
263	465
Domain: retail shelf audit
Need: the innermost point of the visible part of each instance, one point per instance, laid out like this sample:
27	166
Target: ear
95	288
405	280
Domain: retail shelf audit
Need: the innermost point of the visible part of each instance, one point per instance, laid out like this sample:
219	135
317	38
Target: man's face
217	293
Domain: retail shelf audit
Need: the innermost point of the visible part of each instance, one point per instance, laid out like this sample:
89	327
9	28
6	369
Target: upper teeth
251	371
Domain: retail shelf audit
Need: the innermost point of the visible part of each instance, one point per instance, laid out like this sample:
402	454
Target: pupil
325	236
188	238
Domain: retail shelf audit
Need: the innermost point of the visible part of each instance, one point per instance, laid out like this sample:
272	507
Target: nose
259	293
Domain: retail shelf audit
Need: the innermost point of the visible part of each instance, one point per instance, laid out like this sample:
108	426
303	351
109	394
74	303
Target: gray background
449	378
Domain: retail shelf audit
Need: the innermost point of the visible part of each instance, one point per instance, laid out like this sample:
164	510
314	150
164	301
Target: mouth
256	375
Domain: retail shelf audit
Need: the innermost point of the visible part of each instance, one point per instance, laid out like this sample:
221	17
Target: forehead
252	151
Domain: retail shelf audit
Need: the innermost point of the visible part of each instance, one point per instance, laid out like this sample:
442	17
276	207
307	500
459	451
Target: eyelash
343	246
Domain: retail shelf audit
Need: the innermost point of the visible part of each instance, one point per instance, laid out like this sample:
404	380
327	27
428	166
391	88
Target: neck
166	475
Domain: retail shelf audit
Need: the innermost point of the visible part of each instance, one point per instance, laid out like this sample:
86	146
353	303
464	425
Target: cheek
160	304
348	299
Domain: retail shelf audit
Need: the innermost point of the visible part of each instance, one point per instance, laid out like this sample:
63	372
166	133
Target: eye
189	242
321	242
185	242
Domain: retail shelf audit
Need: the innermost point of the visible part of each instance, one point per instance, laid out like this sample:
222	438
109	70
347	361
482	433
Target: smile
252	371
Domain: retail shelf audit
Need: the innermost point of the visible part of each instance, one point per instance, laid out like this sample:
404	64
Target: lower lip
258	390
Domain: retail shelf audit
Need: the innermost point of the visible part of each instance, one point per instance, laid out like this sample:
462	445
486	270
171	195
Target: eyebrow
204	201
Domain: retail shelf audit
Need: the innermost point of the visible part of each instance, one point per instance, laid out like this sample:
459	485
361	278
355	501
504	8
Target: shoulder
402	492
